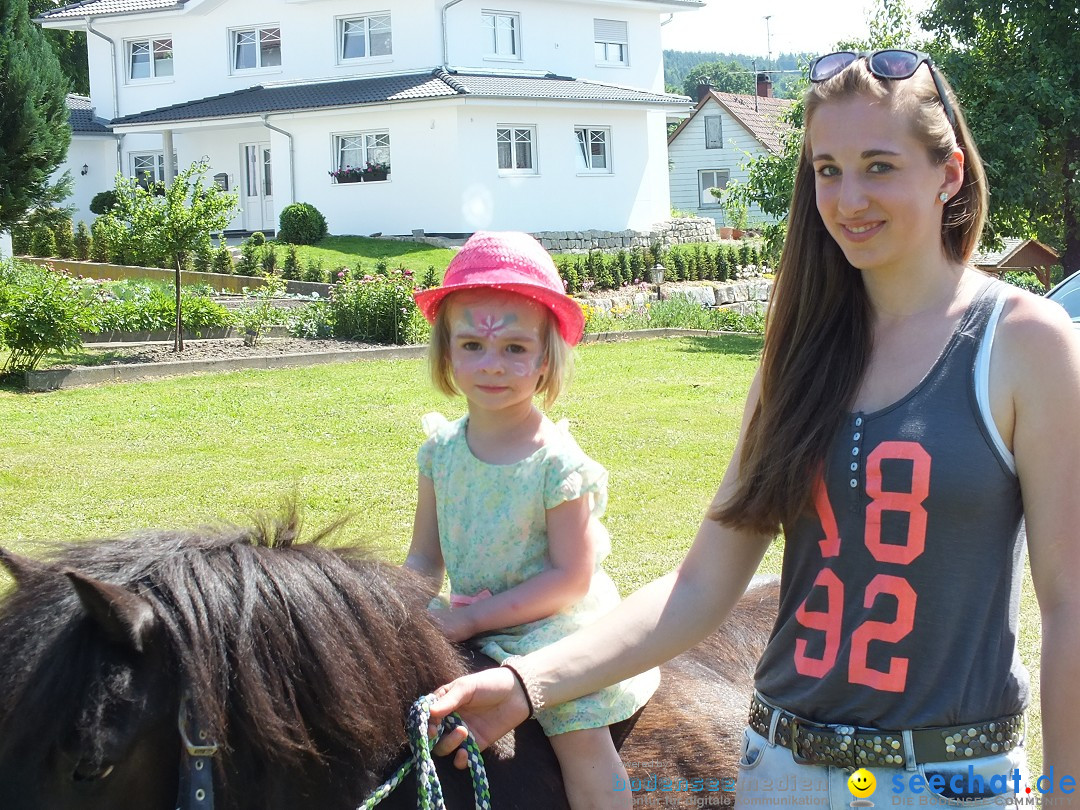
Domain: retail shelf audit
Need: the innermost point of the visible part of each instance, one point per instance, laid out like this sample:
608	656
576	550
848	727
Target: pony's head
281	648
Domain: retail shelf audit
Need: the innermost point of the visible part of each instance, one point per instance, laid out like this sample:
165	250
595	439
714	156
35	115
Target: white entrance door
258	192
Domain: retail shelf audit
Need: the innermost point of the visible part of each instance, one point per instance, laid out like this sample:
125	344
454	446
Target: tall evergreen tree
69	47
34	129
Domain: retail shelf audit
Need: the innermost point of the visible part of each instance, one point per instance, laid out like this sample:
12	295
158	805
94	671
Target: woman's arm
425	553
1041	364
572	557
652	625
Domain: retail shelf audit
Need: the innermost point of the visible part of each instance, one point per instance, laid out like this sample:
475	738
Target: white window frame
514	137
611	43
369	146
491	20
712	202
342	23
718	141
153	46
585	137
158	168
258	31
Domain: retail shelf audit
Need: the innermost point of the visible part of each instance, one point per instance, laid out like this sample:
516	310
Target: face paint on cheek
488	324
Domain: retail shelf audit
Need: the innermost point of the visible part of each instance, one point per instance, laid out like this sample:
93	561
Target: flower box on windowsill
364	177
371	177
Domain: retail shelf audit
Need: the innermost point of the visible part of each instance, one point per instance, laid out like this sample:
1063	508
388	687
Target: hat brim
567	311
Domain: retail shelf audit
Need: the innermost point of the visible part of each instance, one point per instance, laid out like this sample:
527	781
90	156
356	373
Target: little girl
508	504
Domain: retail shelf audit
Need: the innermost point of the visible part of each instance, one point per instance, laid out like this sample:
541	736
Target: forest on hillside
786	69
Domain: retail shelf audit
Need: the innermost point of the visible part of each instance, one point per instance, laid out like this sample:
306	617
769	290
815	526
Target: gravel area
227	349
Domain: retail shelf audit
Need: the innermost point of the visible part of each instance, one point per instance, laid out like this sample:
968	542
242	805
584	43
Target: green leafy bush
290	268
65	239
256	319
103	202
313	271
82	242
21	236
43	243
142	306
40	311
301	224
1024	280
316	320
222	260
378	308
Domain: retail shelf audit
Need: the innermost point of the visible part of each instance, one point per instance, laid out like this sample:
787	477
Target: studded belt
855	747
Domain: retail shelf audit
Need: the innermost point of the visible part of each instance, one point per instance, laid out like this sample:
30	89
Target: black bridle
196	791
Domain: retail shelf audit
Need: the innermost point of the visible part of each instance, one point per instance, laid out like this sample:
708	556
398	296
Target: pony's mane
286	648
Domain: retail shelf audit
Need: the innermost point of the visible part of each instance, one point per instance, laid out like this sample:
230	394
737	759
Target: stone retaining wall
744	296
680	231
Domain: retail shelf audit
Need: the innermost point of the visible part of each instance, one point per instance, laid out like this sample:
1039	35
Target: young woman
908	412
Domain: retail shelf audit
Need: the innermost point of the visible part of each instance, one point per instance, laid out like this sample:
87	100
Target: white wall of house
98	154
556	37
689	156
5	245
462	188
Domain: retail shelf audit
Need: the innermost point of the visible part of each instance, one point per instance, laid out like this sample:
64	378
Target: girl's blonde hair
558	354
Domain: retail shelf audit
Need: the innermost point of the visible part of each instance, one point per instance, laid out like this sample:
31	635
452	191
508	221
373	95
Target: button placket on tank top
856	430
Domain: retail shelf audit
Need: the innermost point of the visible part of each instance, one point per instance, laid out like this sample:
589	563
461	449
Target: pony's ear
126	618
22	568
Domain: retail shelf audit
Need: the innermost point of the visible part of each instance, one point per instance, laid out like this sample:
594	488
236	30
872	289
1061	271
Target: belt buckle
793	735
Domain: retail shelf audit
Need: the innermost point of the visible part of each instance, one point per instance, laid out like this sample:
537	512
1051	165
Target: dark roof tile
81	116
380	90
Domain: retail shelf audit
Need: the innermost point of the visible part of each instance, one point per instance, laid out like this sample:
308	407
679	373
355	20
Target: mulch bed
226	349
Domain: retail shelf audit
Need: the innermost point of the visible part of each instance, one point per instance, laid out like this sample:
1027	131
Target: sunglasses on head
890	63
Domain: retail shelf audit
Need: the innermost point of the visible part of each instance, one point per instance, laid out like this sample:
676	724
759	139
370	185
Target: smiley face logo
862	783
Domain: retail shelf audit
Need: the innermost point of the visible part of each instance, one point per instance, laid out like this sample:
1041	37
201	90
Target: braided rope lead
429	795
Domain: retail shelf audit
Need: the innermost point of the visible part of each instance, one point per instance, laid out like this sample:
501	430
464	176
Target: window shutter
610	31
714	138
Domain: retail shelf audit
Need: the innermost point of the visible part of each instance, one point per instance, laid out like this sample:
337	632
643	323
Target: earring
943	196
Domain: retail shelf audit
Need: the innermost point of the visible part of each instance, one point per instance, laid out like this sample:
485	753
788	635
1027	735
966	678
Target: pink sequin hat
511	261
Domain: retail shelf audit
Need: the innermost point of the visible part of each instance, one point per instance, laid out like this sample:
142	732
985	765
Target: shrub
222	260
202	257
291	268
141	306
82	242
40	311
301	224
312	321
1024	280
379	309
43	243
65	239
313	271
430	278
21	236
103	202
269	260
256	319
250	257
258	238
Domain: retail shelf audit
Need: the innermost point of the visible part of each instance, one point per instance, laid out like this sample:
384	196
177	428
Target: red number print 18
829	620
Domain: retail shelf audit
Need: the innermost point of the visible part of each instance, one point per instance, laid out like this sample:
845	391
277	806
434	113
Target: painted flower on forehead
489	326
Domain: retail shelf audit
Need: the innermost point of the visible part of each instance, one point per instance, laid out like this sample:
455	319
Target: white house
525	114
714	145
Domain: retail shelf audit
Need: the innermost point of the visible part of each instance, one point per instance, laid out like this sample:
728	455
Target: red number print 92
829	621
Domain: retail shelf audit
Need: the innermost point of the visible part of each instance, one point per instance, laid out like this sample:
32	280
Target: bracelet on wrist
533	696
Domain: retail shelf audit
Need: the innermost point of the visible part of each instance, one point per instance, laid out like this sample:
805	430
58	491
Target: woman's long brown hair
818	337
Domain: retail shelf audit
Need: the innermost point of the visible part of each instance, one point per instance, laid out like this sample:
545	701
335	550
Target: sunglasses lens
894	64
829	65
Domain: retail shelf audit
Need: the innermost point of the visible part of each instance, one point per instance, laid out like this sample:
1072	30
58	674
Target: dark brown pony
301	661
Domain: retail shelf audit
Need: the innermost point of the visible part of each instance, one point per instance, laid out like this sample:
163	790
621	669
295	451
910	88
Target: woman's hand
490	702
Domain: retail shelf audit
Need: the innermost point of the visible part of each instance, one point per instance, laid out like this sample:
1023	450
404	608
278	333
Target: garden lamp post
657	277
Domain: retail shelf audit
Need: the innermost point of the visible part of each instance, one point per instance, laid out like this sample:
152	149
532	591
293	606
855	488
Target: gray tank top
900	596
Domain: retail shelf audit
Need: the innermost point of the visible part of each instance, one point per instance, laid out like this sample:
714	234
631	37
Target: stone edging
53	379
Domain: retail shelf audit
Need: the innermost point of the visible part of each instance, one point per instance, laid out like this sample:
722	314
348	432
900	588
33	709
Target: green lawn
339	251
661	415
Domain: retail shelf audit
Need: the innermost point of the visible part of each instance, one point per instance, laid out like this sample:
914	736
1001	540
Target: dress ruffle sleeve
570	474
435	425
